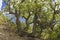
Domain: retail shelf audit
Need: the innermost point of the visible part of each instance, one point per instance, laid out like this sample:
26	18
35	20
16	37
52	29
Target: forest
32	19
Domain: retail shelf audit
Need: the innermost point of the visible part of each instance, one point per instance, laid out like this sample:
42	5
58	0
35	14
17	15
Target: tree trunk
18	22
27	25
35	24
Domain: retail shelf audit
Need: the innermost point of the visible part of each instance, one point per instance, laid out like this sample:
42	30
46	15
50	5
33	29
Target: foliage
3	19
42	17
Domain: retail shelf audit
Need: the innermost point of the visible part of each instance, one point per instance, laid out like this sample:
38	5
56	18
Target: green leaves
42	14
3	19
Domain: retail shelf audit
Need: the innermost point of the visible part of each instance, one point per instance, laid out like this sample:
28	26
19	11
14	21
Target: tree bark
35	24
18	22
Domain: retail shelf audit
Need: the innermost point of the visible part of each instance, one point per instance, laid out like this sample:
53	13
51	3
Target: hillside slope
7	35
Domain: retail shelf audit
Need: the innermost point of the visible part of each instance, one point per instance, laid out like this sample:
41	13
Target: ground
7	35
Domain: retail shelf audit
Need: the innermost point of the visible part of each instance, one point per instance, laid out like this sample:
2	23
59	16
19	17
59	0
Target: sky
0	4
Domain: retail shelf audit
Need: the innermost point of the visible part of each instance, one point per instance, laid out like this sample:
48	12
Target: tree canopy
42	18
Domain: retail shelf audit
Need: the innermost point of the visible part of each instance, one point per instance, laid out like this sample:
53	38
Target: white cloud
0	4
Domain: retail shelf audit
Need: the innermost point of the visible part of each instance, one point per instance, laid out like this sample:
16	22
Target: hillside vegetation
41	19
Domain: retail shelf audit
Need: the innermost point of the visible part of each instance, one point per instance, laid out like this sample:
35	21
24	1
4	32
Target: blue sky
0	4
3	5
